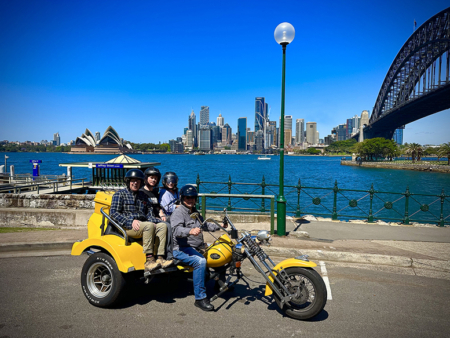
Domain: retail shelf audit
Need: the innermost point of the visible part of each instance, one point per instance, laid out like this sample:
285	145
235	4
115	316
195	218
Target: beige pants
153	237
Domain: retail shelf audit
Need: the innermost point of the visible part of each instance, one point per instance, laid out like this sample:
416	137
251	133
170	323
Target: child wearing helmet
169	194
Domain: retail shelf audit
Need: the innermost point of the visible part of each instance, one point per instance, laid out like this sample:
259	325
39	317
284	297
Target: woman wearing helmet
130	208
188	240
169	194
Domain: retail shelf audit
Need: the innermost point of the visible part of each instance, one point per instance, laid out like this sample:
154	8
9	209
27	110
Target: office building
260	113
341	132
287	137
259	140
250	136
204	115
242	133
311	132
398	135
176	147
216	135
220	121
192	125
288	123
56	139
189	139
299	131
226	134
97	136
205	138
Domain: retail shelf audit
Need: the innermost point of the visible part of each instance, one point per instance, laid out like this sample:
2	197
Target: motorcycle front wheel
312	297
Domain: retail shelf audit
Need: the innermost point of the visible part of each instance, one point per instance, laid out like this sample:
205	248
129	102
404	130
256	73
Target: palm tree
444	151
415	150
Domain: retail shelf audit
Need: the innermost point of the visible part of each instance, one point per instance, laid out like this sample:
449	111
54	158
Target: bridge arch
420	68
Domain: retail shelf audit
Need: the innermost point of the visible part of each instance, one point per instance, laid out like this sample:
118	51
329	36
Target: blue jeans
192	257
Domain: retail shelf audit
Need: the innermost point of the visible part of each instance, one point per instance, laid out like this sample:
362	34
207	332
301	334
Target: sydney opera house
110	143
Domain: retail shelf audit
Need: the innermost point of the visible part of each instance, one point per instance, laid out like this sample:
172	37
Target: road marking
325	279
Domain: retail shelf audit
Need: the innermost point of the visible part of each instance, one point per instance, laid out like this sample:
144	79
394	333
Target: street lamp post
284	34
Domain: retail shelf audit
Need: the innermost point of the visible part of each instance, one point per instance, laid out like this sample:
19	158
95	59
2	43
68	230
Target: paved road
41	297
354	231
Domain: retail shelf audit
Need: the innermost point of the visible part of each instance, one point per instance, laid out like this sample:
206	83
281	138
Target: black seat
111	230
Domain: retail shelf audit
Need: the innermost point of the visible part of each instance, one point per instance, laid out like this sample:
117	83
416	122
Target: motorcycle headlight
263	235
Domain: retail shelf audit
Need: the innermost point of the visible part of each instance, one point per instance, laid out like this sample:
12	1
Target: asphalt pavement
42	297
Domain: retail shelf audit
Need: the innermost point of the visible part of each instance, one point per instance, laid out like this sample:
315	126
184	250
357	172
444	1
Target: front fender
288	263
127	257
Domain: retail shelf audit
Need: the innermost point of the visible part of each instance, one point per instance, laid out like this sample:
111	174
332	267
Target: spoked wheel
101	280
310	290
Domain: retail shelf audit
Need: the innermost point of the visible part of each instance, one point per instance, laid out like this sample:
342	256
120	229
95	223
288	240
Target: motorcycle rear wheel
313	295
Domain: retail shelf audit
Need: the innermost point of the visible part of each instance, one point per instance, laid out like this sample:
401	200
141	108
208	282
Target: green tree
415	150
444	151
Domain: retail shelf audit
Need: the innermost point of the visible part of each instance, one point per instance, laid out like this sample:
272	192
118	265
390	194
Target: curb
36	246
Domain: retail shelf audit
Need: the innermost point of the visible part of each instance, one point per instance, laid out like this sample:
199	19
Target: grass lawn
4	230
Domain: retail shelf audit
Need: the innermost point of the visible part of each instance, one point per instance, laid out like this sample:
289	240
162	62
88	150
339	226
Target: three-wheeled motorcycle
298	289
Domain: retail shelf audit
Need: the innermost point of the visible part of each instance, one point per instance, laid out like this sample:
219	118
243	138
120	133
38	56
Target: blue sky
141	66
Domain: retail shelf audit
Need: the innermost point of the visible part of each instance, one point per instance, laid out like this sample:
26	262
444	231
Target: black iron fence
333	202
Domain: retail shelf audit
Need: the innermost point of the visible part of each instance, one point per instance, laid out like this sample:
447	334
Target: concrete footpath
416	247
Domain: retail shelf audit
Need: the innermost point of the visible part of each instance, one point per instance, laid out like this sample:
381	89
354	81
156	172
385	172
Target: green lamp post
284	34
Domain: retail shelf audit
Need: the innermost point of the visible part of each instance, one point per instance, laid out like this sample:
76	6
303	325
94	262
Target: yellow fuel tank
220	252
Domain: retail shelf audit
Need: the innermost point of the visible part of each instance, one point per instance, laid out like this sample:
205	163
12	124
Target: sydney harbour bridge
417	83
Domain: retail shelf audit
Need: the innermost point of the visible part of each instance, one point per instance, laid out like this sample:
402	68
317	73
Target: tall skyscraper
189	139
204	115
272	129
220	121
216	130
205	138
192	125
311	132
299	131
260	113
97	136
242	133
288	123
56	139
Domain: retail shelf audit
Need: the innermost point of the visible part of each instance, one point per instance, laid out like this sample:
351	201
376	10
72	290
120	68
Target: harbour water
316	171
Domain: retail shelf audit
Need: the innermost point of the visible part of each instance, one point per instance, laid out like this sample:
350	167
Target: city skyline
61	72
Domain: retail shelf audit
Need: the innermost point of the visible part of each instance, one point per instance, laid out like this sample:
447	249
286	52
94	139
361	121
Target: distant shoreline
404	166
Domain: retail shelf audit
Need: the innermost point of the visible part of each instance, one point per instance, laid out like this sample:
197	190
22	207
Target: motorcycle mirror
263	235
194	215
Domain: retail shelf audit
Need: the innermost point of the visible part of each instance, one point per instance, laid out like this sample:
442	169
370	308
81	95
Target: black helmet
170	177
134	173
153	171
188	190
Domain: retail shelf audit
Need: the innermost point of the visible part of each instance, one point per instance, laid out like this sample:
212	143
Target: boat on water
265	157
199	153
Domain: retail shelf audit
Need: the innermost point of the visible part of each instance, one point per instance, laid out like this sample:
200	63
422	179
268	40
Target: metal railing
370	205
229	197
17	188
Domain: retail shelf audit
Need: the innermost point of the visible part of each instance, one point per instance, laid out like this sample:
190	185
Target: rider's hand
194	231
163	217
225	225
136	225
